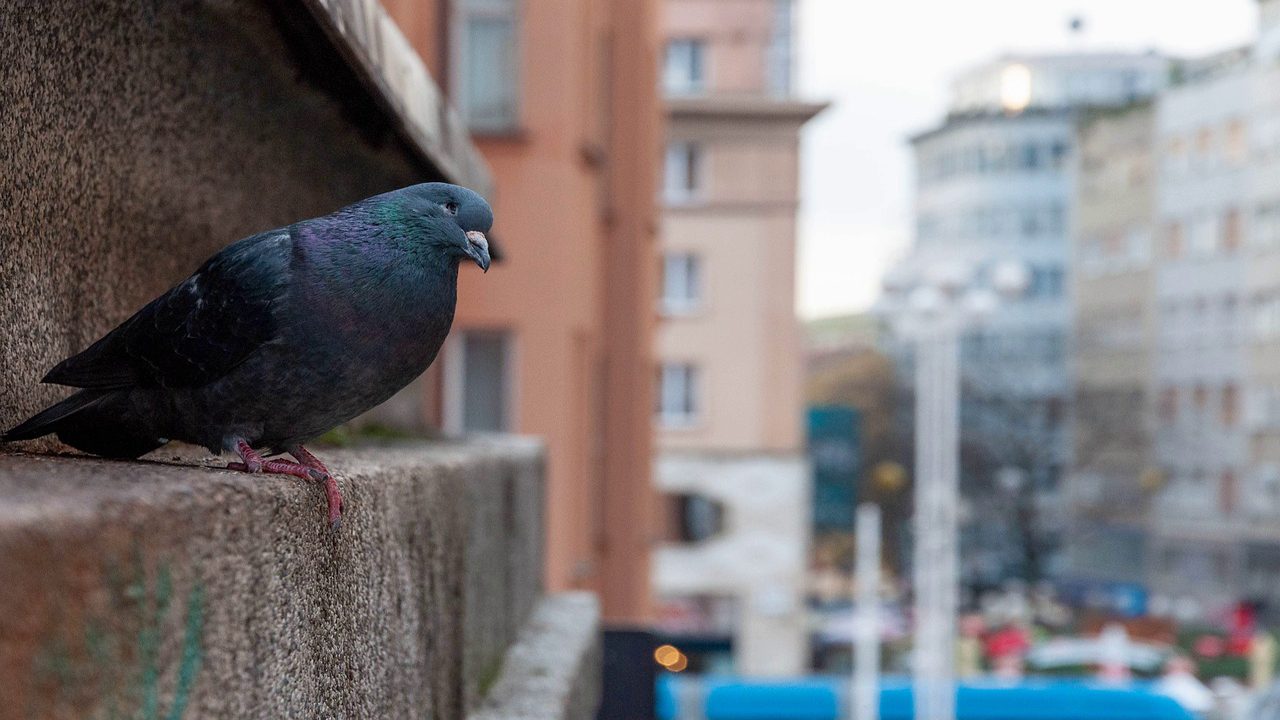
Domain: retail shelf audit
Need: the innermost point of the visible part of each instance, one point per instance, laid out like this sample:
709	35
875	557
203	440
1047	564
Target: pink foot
308	468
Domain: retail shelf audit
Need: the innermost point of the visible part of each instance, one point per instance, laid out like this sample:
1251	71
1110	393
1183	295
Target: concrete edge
552	672
393	67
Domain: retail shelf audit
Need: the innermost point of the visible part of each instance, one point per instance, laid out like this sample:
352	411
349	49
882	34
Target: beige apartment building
730	573
1112	334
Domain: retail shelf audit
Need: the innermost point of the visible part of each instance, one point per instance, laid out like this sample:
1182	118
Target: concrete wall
175	591
138	138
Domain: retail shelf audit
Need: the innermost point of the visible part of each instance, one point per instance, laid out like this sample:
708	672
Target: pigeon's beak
478	249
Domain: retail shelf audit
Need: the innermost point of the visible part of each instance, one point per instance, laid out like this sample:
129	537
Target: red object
1237	645
1244	625
1008	641
1210	646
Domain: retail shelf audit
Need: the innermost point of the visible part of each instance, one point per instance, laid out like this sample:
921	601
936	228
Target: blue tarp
823	698
799	699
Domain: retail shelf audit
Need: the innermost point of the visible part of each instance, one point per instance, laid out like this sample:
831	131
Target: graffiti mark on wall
136	659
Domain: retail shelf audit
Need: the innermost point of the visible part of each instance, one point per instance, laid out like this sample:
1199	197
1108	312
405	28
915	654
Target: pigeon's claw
322	474
308	467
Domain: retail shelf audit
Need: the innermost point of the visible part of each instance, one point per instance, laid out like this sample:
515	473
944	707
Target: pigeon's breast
358	353
337	357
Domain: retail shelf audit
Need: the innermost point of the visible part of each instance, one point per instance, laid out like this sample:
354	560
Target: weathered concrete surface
553	671
137	138
161	590
375	46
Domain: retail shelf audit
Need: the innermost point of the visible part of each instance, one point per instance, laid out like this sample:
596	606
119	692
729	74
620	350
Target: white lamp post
865	696
933	312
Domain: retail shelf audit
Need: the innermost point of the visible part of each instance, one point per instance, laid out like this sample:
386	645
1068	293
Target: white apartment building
993	186
1201	444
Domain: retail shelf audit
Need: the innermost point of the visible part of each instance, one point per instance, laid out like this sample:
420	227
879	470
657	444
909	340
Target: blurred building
1261	501
729	459
561	98
1112	296
1201	140
993	186
831	341
1211	319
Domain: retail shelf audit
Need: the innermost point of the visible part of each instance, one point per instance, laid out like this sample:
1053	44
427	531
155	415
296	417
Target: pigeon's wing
198	331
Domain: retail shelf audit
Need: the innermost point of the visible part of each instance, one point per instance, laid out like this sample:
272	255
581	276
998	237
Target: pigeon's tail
51	418
90	421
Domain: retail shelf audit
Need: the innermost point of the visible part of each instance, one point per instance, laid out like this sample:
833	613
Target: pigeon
278	338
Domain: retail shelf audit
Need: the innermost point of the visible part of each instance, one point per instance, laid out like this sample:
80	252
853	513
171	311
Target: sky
885	65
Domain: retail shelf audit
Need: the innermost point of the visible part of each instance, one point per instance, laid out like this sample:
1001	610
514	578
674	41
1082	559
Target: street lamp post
866	629
933	312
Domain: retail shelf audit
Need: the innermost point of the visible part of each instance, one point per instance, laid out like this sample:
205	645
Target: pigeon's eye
451	208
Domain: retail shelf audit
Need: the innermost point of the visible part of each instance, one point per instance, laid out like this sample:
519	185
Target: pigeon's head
459	207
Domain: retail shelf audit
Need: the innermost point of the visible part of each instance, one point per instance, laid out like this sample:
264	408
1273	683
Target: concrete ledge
164	590
553	671
389	63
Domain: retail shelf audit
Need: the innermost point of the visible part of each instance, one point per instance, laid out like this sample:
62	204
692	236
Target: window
1264	407
1231	230
1230	405
1058	152
684	68
1227	492
677	394
1237	143
1029	157
1169	405
1176	157
683	172
1046	282
478	382
1031	225
486	69
1265	233
1204	149
1173	240
1204	236
1138	172
1266	316
681	283
780	56
693	518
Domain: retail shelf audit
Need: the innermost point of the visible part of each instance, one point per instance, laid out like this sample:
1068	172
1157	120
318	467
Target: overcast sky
885	65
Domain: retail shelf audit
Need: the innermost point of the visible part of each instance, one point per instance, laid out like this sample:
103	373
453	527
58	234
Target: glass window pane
681	286
485	382
682	176
678	394
683	67
490	76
